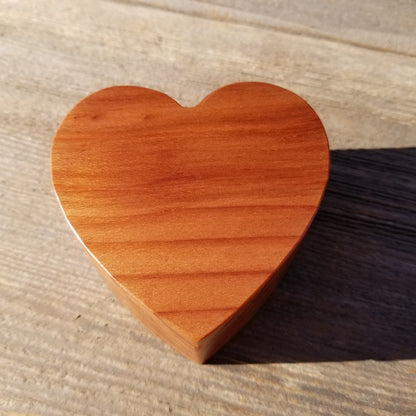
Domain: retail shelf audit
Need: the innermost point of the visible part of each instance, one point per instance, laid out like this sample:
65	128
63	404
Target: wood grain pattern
193	213
337	336
364	24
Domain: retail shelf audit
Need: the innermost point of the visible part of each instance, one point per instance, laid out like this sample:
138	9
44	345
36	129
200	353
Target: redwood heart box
191	214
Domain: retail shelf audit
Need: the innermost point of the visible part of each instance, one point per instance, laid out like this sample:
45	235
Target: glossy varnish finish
192	214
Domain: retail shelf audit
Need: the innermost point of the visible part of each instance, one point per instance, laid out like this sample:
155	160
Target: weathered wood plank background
339	335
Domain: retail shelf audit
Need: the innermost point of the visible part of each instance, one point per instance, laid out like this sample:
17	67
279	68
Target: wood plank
332	340
364	97
378	25
316	346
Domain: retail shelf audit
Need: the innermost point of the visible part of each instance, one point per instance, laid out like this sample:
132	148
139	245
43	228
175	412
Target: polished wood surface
336	336
193	213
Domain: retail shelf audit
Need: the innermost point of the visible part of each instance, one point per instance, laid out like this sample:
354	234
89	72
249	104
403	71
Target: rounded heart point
192	214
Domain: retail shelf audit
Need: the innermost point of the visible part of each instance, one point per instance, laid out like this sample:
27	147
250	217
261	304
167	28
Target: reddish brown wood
192	214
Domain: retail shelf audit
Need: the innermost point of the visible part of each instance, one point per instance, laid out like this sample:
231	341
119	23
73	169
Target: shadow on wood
350	293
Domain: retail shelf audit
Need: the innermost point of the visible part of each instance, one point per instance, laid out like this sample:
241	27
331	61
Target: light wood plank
379	25
364	97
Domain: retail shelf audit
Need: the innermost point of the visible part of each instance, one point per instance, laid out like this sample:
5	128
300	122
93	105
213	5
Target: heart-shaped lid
192	214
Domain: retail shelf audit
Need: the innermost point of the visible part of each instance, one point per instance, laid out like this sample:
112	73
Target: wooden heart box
191	214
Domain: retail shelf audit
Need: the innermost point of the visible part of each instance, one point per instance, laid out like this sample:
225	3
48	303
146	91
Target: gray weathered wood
338	336
379	25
